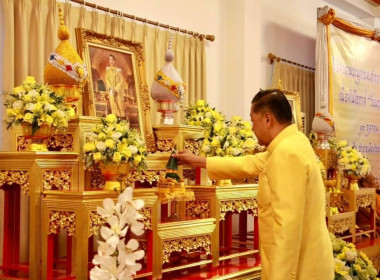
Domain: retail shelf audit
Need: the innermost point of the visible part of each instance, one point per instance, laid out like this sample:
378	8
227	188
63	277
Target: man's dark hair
111	55
274	101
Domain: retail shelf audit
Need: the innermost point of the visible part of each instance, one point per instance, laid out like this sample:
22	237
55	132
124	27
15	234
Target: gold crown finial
279	84
63	32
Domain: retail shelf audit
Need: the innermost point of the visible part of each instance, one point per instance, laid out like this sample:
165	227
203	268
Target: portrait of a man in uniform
113	84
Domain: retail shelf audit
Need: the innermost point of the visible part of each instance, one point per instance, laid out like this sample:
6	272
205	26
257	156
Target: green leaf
34	128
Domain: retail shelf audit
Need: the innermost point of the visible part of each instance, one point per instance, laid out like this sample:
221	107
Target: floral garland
37	104
349	263
116	258
113	142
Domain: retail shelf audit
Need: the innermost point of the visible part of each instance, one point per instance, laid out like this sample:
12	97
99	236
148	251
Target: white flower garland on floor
116	259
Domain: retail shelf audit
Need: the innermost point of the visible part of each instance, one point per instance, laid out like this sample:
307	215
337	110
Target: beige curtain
30	35
297	79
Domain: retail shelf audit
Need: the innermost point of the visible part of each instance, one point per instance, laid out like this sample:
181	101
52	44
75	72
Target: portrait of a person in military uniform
113	82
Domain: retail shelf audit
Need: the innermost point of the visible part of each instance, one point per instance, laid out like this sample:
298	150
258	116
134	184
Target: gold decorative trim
61	142
364	200
165	145
149	176
249	205
341	225
96	221
145	97
147	217
57	180
97	180
186	244
189	174
198	209
22	143
341	201
18	177
193	145
61	220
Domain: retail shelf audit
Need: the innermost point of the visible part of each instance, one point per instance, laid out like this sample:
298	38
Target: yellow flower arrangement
221	137
201	114
113	142
349	263
37	105
234	138
350	160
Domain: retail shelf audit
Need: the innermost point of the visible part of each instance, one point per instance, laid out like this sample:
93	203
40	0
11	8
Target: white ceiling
366	10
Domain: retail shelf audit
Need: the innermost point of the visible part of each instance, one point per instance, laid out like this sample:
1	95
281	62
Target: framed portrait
117	81
295	103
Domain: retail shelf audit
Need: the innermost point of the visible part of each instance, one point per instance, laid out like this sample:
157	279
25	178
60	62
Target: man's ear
268	119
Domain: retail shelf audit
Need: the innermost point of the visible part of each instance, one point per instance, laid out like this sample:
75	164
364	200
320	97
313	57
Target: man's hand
187	157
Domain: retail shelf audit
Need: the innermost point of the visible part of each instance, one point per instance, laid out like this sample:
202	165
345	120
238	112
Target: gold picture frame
295	103
117	82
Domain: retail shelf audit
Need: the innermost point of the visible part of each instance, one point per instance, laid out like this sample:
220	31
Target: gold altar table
76	211
35	172
186	235
220	202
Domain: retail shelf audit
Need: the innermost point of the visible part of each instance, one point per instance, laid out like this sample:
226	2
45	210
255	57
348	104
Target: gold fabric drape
300	80
329	18
30	35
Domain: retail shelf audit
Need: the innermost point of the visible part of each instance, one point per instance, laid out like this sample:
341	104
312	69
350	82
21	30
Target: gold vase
223	182
38	138
353	182
113	175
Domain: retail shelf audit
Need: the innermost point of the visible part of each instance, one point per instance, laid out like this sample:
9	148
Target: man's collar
289	130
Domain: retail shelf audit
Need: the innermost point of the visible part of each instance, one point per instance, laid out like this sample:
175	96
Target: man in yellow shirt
295	242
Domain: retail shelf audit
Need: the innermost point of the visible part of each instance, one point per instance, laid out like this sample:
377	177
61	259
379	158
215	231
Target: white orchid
128	254
116	259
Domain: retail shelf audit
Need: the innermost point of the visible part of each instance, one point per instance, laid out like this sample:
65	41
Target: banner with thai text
355	92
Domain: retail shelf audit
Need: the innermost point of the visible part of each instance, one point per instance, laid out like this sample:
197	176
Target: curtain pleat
300	80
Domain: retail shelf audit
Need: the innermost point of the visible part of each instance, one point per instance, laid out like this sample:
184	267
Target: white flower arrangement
114	142
116	258
351	161
37	105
